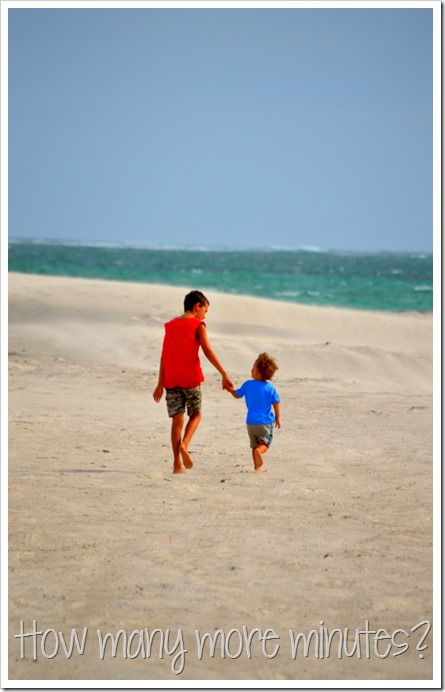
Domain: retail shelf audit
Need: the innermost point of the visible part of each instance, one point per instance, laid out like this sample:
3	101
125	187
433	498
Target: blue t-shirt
259	399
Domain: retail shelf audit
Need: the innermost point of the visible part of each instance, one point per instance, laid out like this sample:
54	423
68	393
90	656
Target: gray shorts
180	398
260	434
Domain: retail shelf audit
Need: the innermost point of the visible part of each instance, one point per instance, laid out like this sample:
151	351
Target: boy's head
266	366
192	298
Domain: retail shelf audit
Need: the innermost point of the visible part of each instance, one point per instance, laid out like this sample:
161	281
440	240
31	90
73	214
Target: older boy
180	373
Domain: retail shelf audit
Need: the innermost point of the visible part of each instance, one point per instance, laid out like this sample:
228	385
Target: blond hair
266	366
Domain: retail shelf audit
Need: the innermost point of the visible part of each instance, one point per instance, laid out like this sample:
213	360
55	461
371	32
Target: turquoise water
365	281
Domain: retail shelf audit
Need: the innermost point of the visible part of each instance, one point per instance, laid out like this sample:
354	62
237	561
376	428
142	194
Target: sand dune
336	533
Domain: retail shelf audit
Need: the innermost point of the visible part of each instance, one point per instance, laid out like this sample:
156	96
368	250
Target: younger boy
261	397
181	375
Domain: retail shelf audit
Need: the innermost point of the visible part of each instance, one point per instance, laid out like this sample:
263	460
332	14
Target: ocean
365	281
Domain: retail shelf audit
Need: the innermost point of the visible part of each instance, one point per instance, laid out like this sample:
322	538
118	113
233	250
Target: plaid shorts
180	398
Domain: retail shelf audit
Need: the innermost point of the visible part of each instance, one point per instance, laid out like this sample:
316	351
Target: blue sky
241	127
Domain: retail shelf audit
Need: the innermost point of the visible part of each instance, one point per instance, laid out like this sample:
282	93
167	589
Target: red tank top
182	367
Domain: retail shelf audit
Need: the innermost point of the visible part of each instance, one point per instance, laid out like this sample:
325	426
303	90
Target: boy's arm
277	410
159	390
212	357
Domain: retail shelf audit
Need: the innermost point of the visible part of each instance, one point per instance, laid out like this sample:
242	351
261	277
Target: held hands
226	383
228	387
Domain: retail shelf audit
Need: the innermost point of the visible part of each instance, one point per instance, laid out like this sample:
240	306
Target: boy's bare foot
186	458
258	461
178	468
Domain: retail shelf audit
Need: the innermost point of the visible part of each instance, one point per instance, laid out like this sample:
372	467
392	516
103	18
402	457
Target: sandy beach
335	537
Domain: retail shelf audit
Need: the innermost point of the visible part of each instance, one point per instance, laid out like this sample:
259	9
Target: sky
243	127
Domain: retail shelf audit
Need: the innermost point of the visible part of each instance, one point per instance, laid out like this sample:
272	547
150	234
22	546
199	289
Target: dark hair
192	298
266	365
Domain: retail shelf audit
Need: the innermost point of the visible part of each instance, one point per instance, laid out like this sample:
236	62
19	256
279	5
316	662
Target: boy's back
180	353
259	397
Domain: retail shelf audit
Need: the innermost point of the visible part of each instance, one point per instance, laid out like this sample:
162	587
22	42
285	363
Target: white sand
336	532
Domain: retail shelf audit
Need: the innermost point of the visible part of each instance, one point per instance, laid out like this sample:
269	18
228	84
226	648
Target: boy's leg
193	400
176	433
190	430
257	456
